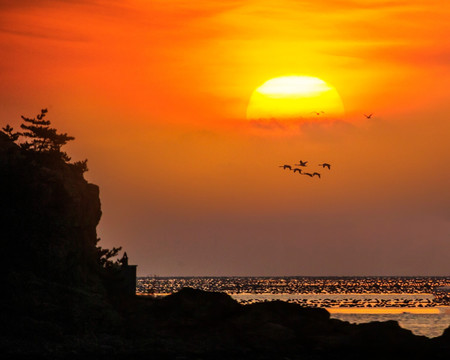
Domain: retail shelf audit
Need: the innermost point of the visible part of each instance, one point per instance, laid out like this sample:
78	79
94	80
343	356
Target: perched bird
299	170
286	167
316	173
309	174
325	165
301	163
44	111
368	116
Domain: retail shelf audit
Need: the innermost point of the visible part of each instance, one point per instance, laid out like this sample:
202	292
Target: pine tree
8	130
43	137
104	255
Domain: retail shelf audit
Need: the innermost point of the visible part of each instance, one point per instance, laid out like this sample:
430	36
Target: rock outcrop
51	276
49	214
198	324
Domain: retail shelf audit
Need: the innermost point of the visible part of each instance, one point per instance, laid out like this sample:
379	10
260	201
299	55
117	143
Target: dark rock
48	216
50	269
199	304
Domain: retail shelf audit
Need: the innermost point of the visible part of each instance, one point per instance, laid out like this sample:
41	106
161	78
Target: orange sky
156	95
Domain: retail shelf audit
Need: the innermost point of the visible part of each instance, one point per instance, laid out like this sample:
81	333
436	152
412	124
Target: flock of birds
305	164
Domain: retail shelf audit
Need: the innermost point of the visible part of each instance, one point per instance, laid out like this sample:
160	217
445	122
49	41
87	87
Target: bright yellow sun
295	98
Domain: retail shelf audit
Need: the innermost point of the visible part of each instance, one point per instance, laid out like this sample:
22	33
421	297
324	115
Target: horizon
291	276
157	96
156	276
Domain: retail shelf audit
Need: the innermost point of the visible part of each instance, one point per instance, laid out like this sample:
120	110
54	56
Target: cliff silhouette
49	215
62	296
53	273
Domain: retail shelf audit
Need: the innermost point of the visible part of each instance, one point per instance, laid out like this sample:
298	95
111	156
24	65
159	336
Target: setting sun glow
295	98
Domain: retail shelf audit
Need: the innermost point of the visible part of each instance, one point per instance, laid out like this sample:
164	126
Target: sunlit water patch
430	325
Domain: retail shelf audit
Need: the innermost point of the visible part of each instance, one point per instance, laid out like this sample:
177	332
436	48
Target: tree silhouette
8	130
104	255
81	166
39	137
42	137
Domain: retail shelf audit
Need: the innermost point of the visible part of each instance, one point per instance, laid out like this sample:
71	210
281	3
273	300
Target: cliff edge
49	214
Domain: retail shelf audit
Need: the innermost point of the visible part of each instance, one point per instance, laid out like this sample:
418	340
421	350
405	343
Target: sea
416	303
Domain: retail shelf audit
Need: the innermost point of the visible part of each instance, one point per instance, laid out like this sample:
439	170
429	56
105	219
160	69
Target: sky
156	95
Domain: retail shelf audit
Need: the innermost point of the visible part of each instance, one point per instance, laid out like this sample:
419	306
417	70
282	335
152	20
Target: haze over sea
409	300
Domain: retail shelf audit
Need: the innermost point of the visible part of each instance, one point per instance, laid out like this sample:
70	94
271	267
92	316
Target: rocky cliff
49	214
54	283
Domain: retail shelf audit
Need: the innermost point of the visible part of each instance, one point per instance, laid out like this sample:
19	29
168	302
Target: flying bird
301	163
286	167
325	165
316	173
309	174
299	170
368	116
318	113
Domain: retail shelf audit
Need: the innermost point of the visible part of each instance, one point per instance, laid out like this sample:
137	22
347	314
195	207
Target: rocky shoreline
194	324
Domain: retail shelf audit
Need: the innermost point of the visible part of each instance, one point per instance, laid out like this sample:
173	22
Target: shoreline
394	310
342	308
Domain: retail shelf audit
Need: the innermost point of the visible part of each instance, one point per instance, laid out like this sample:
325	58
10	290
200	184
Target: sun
291	98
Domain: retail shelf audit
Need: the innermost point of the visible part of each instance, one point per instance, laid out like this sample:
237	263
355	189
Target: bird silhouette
368	116
318	113
316	173
309	174
44	111
325	165
299	170
301	163
286	167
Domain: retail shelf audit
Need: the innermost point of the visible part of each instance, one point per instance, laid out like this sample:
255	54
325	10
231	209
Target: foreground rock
193	324
199	324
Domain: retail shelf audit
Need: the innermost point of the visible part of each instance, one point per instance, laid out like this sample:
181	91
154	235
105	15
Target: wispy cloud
46	33
27	4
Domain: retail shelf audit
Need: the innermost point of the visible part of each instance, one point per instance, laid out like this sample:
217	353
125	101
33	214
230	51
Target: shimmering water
430	325
408	300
